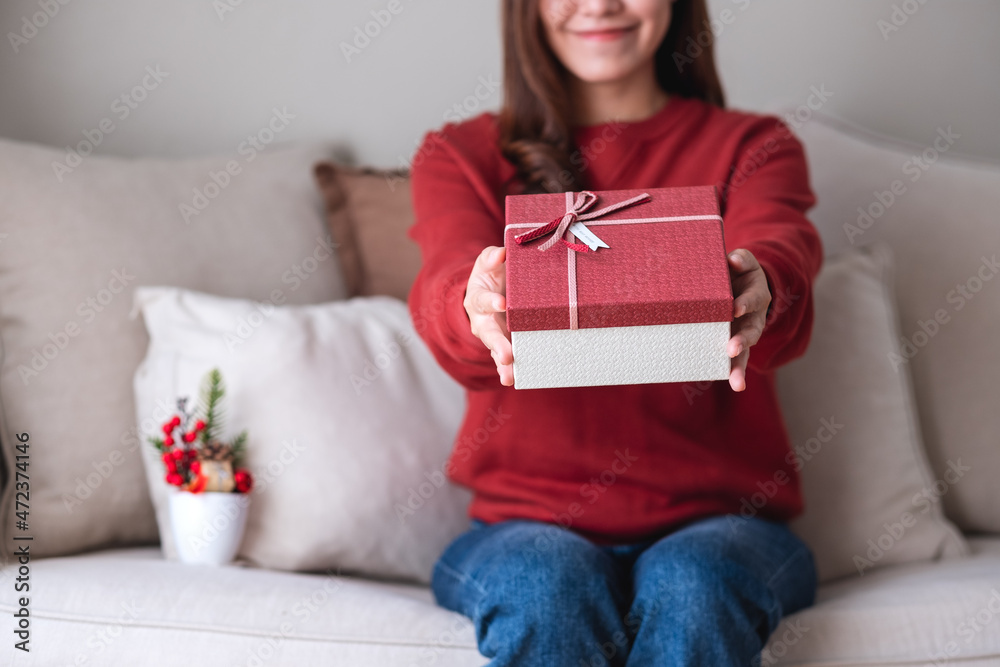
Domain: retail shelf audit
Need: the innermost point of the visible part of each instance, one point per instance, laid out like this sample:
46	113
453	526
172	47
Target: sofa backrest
938	214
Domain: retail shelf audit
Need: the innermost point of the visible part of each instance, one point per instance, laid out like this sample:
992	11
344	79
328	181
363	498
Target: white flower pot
208	526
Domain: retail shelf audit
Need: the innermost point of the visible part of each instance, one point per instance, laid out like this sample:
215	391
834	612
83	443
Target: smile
605	35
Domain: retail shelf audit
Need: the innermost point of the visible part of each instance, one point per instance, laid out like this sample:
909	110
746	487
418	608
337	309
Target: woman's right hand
486	304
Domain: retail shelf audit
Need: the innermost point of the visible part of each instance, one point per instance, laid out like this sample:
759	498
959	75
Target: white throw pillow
350	424
72	248
869	491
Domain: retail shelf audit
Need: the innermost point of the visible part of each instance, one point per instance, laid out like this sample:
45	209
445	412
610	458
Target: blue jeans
710	593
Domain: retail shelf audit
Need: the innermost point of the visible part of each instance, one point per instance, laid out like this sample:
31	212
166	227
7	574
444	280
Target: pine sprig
212	391
238	446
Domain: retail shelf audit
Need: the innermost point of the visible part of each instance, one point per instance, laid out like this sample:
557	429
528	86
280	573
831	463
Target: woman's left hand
751	298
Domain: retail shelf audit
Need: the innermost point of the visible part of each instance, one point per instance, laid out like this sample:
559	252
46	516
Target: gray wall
228	70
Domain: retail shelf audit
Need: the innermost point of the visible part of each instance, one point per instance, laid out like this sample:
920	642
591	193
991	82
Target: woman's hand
751	298
486	304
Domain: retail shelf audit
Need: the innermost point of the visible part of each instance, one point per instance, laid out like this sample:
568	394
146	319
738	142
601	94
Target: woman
614	525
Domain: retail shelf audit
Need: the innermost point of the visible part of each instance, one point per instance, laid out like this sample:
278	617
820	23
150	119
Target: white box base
621	355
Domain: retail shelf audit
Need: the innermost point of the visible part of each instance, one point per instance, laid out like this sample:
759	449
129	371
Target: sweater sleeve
766	199
456	217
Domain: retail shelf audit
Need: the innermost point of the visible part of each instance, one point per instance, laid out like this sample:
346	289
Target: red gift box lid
653	272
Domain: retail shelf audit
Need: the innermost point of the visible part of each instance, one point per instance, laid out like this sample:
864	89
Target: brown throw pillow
369	212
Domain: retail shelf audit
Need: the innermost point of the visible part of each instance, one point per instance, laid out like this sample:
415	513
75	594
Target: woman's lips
605	35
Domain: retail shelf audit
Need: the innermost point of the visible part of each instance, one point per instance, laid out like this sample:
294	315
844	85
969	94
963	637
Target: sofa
892	413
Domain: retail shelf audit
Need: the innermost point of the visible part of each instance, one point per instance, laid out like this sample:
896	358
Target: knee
693	608
548	569
693	583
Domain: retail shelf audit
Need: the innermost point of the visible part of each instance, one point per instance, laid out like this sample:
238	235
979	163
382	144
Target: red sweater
622	463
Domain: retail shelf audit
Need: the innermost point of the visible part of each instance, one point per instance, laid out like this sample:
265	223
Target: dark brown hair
535	127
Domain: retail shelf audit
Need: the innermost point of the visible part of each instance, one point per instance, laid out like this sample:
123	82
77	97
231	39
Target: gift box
617	287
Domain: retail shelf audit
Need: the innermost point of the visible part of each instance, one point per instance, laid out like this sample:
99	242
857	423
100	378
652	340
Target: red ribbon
577	212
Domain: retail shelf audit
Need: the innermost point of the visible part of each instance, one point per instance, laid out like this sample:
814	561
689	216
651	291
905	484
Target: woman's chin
603	73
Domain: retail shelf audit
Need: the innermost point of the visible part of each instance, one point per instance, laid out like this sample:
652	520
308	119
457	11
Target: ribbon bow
577	212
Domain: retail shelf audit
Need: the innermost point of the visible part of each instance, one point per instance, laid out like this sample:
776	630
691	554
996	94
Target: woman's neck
626	100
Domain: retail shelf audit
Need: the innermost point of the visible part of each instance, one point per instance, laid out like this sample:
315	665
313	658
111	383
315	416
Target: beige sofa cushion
853	425
70	255
350	423
918	615
132	607
153	610
941	222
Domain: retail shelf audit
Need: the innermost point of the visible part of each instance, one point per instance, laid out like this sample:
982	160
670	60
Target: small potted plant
208	508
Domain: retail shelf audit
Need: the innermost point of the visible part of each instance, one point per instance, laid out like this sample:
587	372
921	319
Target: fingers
747	331
749	284
482	295
493	337
500	349
738	371
486	305
506	375
752	298
490	258
485	291
742	261
481	301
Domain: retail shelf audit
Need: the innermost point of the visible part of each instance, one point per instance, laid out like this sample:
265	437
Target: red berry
174	479
168	441
177	454
192	454
244	481
199	425
170	465
176	421
168	428
189	436
195	467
